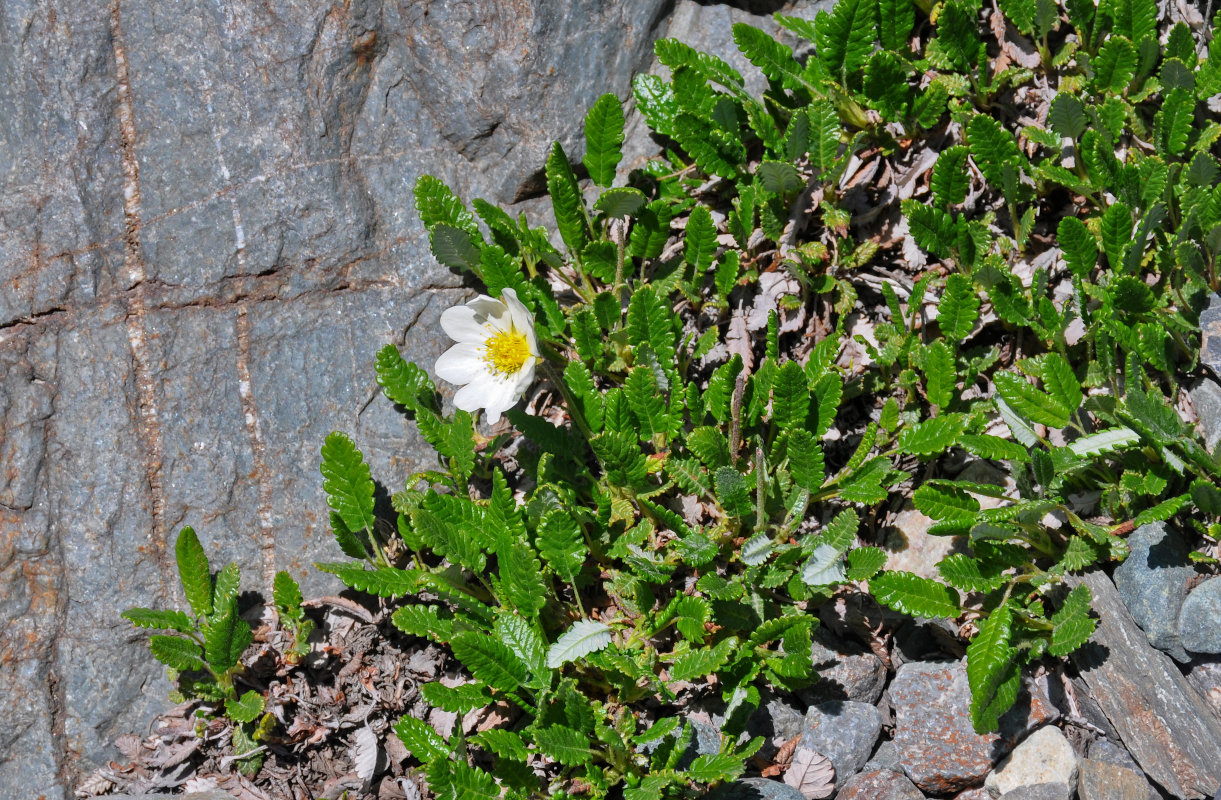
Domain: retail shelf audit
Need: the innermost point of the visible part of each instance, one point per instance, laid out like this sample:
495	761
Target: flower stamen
506	352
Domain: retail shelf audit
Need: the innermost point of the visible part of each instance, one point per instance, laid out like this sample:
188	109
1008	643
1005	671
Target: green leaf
963	572
1020	13
194	572
246	709
714	151
957	45
421	739
655	100
460	699
456	249
959	307
1061	383
994	447
621	459
404	382
1114	66
584	637
383	582
778	177
561	544
911	594
1034	405
286	593
992	670
489	661
716	767
844	38
790	397
1135	19
951	178
993	149
505	744
1078	245
733	491
865	562
675	54
933	436
805	460
1073	624
1066	116
941	377
423	621
437	205
702	661
227	636
896	18
521	577
1174	120
347	482
158	619
620	203
177	653
563	744
647	401
886	83
824	567
566	200
650	320
774	60
1116	225
699	241
945	501
825	132
931	227
603	139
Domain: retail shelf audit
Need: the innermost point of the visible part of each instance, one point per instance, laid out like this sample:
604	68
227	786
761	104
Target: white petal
470	397
462	363
499	397
488	309
462	324
523	321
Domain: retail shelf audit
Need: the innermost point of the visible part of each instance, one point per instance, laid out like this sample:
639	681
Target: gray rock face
1200	617
207	233
843	731
1153	582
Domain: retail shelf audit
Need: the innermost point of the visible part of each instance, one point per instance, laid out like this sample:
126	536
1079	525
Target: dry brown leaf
811	773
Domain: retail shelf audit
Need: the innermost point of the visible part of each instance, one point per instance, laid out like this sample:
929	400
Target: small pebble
1045	757
1099	780
1040	791
754	789
939	750
879	784
843	731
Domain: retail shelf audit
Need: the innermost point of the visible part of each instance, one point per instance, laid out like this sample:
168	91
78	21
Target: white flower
495	354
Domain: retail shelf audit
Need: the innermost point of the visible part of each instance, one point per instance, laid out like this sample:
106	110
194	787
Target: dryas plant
671	536
716	439
203	650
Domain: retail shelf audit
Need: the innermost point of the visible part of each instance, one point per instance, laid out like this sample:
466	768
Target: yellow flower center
506	352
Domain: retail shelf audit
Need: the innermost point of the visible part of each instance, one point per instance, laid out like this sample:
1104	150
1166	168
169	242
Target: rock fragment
879	784
1044	757
1200	618
843	731
1153	583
